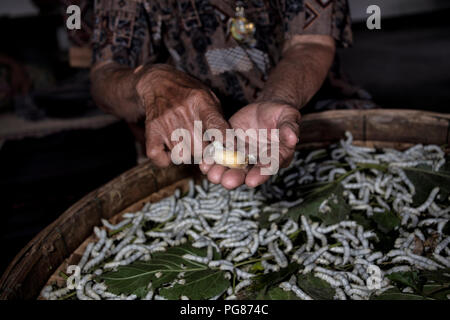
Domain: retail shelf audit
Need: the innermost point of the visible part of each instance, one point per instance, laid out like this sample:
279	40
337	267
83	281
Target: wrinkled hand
172	100
260	115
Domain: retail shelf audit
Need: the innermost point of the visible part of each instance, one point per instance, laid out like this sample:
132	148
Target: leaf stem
248	262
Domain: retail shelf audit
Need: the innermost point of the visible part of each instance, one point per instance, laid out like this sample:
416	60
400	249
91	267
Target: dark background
403	65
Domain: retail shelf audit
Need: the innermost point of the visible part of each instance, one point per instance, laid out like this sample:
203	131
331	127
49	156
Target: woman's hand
261	115
172	100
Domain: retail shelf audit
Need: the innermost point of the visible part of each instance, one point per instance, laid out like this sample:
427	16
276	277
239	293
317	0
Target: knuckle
213	119
152	153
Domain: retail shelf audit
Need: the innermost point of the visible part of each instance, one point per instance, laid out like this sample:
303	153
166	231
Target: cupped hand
173	100
260	115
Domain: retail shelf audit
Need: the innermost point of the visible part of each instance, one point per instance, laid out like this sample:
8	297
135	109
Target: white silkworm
290	227
354	278
121	224
346	251
422	259
86	254
307	228
298	292
46	292
58	293
81	287
442	245
280	258
360	235
90	292
99	258
268	266
274	216
327	278
328	229
340	294
285	239
349	236
374	256
298	252
429	200
315	255
357	292
414	262
319	236
129	248
244	275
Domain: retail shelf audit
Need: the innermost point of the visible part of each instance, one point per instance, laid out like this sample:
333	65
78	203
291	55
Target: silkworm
81	287
110	226
100	257
298	292
414	262
86	254
346	251
442	245
310	238
90	292
315	255
422	259
354	278
357	292
327	229
374	256
340	294
290	227
58	293
319	236
280	258
244	275
46	292
285	239
131	247
429	200
349	236
360	235
327	278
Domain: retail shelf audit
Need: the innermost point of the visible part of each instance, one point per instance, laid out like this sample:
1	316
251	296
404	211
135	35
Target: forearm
114	90
301	71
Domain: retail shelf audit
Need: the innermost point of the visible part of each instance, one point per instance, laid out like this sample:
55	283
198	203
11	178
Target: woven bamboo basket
62	242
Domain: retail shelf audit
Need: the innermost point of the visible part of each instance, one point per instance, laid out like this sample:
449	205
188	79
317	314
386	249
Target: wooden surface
384	126
13	127
64	240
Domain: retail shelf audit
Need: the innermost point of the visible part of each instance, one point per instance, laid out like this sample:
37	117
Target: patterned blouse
193	36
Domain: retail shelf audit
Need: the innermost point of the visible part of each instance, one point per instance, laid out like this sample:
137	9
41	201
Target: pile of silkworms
341	254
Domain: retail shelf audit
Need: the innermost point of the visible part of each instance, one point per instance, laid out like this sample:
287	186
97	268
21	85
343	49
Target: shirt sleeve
121	33
324	17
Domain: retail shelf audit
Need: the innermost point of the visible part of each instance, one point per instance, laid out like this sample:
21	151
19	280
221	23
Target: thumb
289	126
215	126
156	146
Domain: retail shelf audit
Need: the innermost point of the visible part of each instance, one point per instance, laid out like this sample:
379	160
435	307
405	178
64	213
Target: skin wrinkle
101	80
171	99
301	71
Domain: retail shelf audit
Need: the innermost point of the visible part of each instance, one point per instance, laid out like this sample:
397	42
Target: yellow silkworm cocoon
229	158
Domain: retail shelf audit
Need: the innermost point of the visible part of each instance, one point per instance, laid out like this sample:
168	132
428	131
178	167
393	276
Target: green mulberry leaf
163	269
